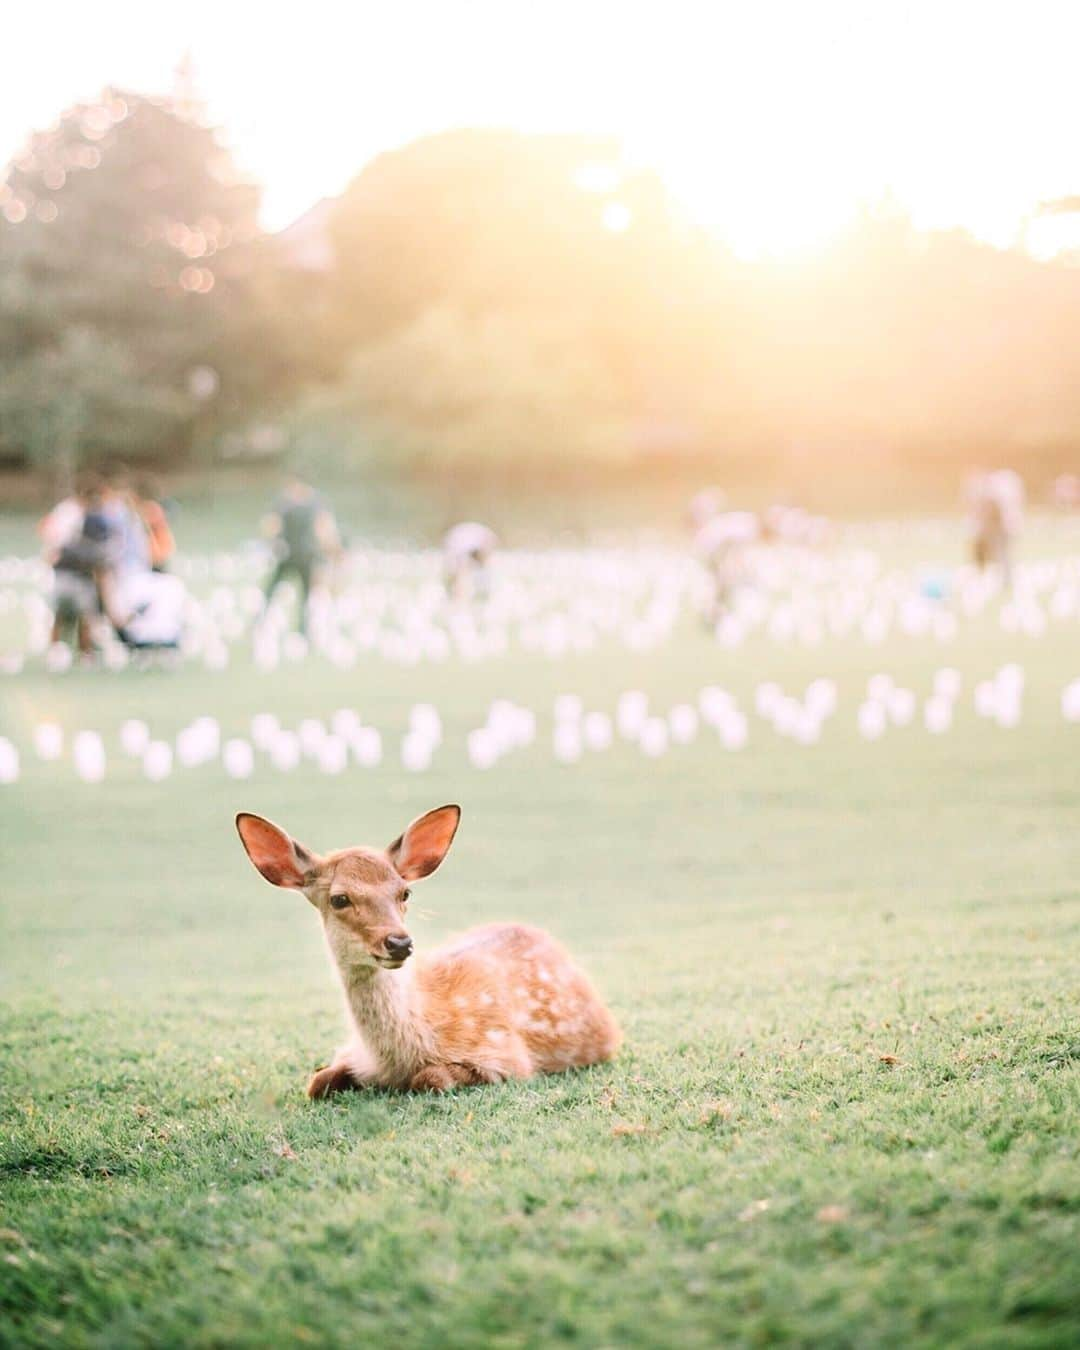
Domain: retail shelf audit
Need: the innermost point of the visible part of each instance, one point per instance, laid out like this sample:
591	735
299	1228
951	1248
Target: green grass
847	1112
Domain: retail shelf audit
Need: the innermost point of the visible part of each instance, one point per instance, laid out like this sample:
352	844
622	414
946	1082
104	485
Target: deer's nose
399	947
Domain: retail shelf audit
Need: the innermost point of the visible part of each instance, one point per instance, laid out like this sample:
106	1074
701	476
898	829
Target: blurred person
723	546
95	576
467	551
145	607
155	519
304	536
75	553
129	539
62	525
1009	487
995	503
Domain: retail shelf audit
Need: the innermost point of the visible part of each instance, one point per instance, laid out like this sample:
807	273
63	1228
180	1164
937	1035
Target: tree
452	388
551	240
130	257
483	221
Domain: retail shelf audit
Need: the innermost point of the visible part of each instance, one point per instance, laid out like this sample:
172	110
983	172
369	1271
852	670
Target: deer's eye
405	897
340	901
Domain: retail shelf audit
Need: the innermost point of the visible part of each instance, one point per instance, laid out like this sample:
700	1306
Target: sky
770	120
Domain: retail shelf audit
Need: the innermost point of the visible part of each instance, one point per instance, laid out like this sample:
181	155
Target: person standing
303	536
74	555
63	524
467	551
724	545
996	512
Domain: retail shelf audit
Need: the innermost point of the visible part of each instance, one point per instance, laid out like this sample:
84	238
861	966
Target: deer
502	1001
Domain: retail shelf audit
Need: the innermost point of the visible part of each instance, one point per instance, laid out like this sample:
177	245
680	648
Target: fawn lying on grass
502	1001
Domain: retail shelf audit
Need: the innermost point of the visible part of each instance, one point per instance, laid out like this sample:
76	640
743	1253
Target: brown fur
501	1001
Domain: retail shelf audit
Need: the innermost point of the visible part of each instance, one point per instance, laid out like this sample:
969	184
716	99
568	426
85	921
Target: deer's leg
443	1077
352	1068
433	1078
336	1077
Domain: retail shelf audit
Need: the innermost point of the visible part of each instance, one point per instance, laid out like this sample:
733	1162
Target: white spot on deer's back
495	1034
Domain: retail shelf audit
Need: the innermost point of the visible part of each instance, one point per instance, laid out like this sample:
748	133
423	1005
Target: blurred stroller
148	610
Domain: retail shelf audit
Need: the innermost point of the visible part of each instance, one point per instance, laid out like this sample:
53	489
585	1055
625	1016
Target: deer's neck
384	1007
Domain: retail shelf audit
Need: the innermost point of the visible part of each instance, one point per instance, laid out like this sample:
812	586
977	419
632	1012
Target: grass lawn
848	1107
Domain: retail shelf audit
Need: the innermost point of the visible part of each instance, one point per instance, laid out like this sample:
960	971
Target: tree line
482	296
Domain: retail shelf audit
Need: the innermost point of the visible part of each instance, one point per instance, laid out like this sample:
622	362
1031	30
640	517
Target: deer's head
361	893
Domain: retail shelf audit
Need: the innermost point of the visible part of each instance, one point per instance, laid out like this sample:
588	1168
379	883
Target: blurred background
453	253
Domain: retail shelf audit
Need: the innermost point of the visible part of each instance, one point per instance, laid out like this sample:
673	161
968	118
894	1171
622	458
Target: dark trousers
301	568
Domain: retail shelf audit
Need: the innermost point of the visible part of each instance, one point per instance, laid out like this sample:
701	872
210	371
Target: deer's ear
281	860
424	844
